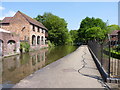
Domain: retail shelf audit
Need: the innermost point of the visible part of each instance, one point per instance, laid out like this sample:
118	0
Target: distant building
30	30
9	43
114	37
118	37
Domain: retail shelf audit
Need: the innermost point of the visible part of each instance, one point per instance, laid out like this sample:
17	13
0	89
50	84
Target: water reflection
15	68
59	52
18	67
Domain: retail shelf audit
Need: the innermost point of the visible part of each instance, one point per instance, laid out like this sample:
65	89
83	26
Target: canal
15	68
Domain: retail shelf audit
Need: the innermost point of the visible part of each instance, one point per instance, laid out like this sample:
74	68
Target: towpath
76	70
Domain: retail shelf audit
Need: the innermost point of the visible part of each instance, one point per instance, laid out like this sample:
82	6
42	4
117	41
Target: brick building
114	37
29	29
9	43
119	37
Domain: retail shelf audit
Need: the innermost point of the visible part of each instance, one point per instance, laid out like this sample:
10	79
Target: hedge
113	53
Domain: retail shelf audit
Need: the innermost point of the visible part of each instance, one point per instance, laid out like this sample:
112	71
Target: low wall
7	47
33	48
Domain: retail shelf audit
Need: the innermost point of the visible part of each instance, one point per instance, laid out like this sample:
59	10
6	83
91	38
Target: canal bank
76	70
23	65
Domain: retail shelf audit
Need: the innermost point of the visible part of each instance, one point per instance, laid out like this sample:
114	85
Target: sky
72	12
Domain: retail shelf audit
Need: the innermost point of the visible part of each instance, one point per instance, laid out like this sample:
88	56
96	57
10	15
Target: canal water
15	68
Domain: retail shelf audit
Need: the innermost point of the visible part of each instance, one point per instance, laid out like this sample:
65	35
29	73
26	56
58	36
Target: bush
50	44
114	53
24	46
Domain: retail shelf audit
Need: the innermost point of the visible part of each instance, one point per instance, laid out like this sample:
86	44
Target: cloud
1	8
8	14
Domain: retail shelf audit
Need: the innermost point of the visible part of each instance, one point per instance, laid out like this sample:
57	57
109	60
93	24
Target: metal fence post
101	54
109	59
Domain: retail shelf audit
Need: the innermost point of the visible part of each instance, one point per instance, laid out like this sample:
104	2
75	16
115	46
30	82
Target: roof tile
32	21
115	32
29	19
6	20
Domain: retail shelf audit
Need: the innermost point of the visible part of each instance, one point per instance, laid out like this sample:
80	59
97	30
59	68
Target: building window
38	40
42	31
11	41
25	38
33	40
12	46
33	28
38	29
42	40
28	38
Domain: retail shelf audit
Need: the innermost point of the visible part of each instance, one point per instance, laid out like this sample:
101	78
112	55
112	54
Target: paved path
76	70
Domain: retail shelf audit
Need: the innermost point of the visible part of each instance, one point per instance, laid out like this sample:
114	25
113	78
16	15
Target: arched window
11	46
38	40
33	40
1	40
11	42
42	40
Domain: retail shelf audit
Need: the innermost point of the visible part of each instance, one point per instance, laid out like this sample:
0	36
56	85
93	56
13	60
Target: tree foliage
91	28
57	28
24	46
95	33
112	28
74	35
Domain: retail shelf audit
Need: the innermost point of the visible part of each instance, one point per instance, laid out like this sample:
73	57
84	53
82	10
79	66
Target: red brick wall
19	25
119	37
5	37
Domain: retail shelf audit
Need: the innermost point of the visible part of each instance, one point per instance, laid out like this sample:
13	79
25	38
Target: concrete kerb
100	68
102	71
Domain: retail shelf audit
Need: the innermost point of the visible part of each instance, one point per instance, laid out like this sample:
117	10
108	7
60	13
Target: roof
29	19
2	30
115	32
6	20
119	31
114	39
32	21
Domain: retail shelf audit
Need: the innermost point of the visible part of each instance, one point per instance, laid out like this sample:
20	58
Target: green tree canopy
112	28
88	24
74	35
57	28
95	33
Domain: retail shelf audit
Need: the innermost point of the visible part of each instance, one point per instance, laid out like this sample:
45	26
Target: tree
74	35
112	28
95	33
87	24
57	28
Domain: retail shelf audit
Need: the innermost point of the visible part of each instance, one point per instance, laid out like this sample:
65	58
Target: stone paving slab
76	70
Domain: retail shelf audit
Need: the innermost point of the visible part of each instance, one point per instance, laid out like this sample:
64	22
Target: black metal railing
107	53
